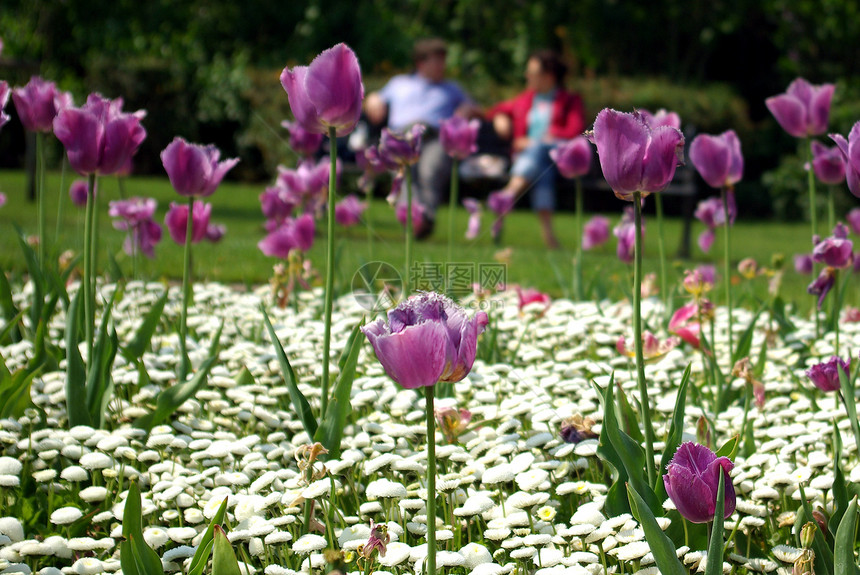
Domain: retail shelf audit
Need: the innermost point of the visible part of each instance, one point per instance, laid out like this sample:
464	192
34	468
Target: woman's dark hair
551	62
427	48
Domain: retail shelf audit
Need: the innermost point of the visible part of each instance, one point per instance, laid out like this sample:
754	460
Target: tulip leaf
10	312
629	452
300	403
840	489
665	554
135	349
730	448
11	325
843	551
15	391
715	547
676	432
330	430
136	557
172	398
76	372
36	278
224	560
846	387
204	548
99	383
823	553
627	416
616	499
745	342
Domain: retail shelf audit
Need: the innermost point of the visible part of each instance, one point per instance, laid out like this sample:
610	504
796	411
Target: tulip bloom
835	251
99	137
685	321
804	109
850	150
473	228
662	118
348	211
452	422
401	148
827	163
825	376
459	136
573	157
38	103
692	479
428	339
328	93
530	296
853	219
135	216
194	170
803	263
291	234
718	159
712	213
625	231
4	98
176	221
822	285
634	157
595	232
500	203
302	142
277	204
78	192
652	347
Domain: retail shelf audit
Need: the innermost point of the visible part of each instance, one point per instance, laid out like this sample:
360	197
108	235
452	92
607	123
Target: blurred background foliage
208	69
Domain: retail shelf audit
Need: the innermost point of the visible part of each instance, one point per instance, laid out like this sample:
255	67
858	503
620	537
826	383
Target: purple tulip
500	203
459	136
825	376
804	109
718	159
215	232
625	231
712	213
135	216
634	157
850	149
853	219
661	118
194	170
827	163
803	263
573	157
307	183
2	199
328	93
38	103
348	211
417	214
706	274
302	142
176	221
401	148
822	285
692	480
835	251
78	191
292	234
428	339
277	204
473	206
4	98
99	137
595	232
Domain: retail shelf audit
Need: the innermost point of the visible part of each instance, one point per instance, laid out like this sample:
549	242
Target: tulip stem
813	218
578	289
661	247
637	336
835	312
452	207
329	270
407	287
431	481
89	300
728	273
184	362
60	198
368	212
831	209
40	190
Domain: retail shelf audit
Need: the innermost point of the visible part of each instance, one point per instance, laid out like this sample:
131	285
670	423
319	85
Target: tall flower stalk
459	139
325	98
637	160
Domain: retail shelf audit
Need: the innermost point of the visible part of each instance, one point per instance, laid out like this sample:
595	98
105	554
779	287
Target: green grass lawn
237	260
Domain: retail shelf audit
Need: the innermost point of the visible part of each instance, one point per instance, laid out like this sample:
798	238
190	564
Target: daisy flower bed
523	483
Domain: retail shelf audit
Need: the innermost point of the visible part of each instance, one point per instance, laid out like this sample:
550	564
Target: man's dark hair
427	48
551	62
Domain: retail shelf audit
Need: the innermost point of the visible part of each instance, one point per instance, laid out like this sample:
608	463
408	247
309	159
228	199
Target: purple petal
819	109
414	357
661	158
303	108
81	133
621	140
122	137
711	157
790	113
333	84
